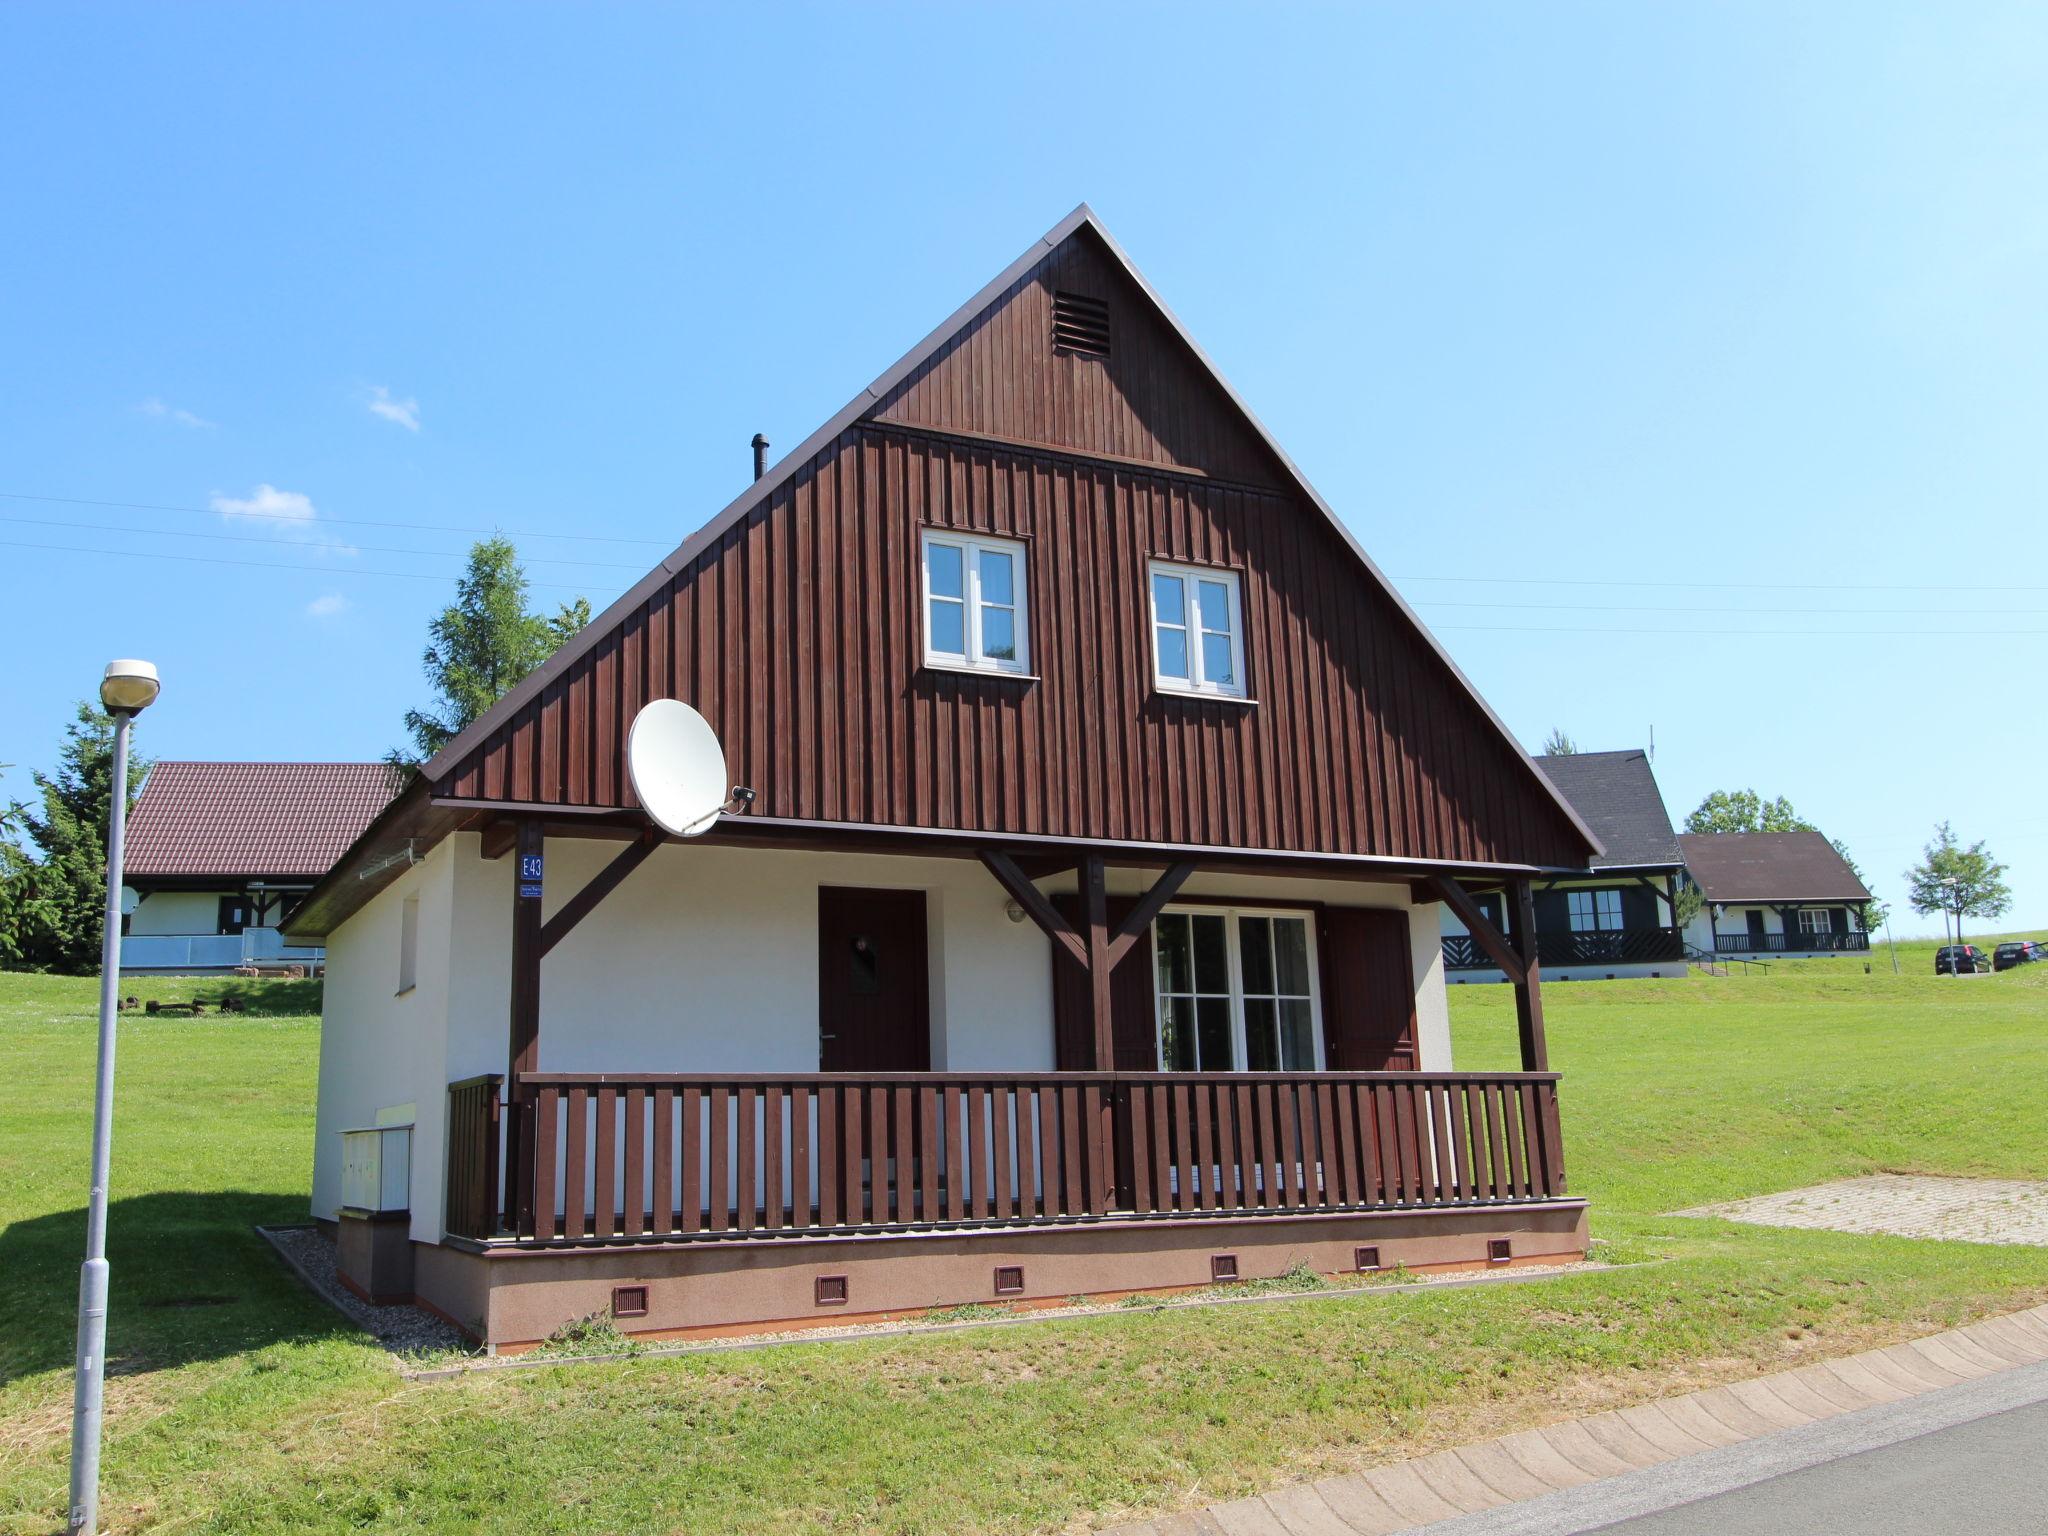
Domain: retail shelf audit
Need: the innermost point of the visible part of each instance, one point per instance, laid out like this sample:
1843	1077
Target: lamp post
127	689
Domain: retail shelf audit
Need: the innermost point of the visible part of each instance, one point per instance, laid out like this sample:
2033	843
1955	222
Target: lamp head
129	687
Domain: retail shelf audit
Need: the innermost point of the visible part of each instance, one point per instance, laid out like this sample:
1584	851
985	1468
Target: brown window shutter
1132	1023
1368	990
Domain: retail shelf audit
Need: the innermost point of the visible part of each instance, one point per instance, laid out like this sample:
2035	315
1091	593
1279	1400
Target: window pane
1177	1034
1214	599
1176	972
997	585
1213	1017
999	634
1297	1036
1290	939
1261	1042
1255	948
1212	955
1173	652
949	627
1217	666
942	561
1168	600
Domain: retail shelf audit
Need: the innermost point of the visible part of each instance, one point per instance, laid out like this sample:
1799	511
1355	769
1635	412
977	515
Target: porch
1613	946
1791	943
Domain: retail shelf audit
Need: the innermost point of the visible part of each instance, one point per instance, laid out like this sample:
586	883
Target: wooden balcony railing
1789	943
659	1157
1607	946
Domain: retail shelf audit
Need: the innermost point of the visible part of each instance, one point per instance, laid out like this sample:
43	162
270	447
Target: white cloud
405	412
288	512
331	605
155	407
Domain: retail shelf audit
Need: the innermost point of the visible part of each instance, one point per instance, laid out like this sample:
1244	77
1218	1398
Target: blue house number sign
529	874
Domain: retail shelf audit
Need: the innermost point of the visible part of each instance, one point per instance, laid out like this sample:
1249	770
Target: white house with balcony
219	853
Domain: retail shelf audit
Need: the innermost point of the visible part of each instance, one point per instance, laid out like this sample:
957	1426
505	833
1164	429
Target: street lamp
127	689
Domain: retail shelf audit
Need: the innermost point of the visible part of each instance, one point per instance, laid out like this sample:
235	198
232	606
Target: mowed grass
241	1405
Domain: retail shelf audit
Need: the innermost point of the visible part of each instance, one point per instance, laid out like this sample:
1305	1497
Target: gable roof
1616	794
250	820
867	403
1769	866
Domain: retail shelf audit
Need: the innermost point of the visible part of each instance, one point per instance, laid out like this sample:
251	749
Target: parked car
2019	952
1955	959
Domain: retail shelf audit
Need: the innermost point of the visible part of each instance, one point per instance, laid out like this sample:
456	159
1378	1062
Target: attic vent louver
1080	325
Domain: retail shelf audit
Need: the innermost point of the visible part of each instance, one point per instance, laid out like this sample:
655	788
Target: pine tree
57	897
480	646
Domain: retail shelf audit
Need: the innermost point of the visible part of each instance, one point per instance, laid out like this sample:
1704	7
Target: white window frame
1239	1054
1188	576
971	547
1823	920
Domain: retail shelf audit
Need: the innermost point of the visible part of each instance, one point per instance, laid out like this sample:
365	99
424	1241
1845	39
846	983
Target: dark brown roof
1616	794
1770	866
265	820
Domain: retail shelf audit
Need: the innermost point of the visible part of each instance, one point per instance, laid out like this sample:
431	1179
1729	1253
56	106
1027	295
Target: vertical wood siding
1150	399
798	635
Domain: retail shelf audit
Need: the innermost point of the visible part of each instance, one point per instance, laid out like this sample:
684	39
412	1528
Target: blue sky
1702	345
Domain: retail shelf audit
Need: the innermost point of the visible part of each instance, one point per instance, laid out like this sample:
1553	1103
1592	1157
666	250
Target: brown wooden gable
1149	400
794	625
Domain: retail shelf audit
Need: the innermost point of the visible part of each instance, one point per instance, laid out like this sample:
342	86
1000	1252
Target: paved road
1966	1460
1984	1478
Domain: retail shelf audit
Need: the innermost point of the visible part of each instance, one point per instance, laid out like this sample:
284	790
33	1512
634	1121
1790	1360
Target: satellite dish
678	767
131	898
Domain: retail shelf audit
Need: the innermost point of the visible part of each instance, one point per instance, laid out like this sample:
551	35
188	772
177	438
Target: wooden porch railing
1611	946
473	1114
640	1157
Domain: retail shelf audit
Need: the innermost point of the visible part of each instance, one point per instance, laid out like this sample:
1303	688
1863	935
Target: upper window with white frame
1197	630
975	616
1816	920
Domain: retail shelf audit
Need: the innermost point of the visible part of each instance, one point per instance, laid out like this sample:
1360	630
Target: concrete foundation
510	1297
374	1255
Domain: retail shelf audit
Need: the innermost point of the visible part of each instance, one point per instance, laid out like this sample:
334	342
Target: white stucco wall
381	1049
177	912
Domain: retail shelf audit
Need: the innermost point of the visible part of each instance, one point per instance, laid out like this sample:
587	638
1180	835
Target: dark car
2021	952
1957	959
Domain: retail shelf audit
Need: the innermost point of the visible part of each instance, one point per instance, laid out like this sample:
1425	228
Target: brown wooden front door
873	987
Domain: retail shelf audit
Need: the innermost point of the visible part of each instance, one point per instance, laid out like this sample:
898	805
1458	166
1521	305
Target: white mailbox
376	1169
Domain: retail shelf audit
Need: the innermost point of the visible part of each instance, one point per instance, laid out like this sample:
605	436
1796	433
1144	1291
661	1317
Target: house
1778	894
1619	916
218	853
1081	936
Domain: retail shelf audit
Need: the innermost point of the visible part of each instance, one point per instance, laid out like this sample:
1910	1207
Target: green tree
480	646
1951	878
1744	810
21	906
53	909
1557	744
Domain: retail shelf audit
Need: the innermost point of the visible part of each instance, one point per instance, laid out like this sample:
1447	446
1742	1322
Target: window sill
1203	696
993	674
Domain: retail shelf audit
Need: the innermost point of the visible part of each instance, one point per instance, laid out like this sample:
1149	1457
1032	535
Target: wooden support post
1528	987
527	877
1507	956
1095	908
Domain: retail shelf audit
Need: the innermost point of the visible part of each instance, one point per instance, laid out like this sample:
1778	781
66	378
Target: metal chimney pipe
760	455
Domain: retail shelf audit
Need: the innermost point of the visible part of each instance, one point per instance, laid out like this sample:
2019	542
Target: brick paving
1905	1205
1403	1496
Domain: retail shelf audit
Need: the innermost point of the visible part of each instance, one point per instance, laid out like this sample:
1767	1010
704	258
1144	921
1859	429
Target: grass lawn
238	1403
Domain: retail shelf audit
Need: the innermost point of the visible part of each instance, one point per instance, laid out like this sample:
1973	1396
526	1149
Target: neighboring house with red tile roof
217	853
